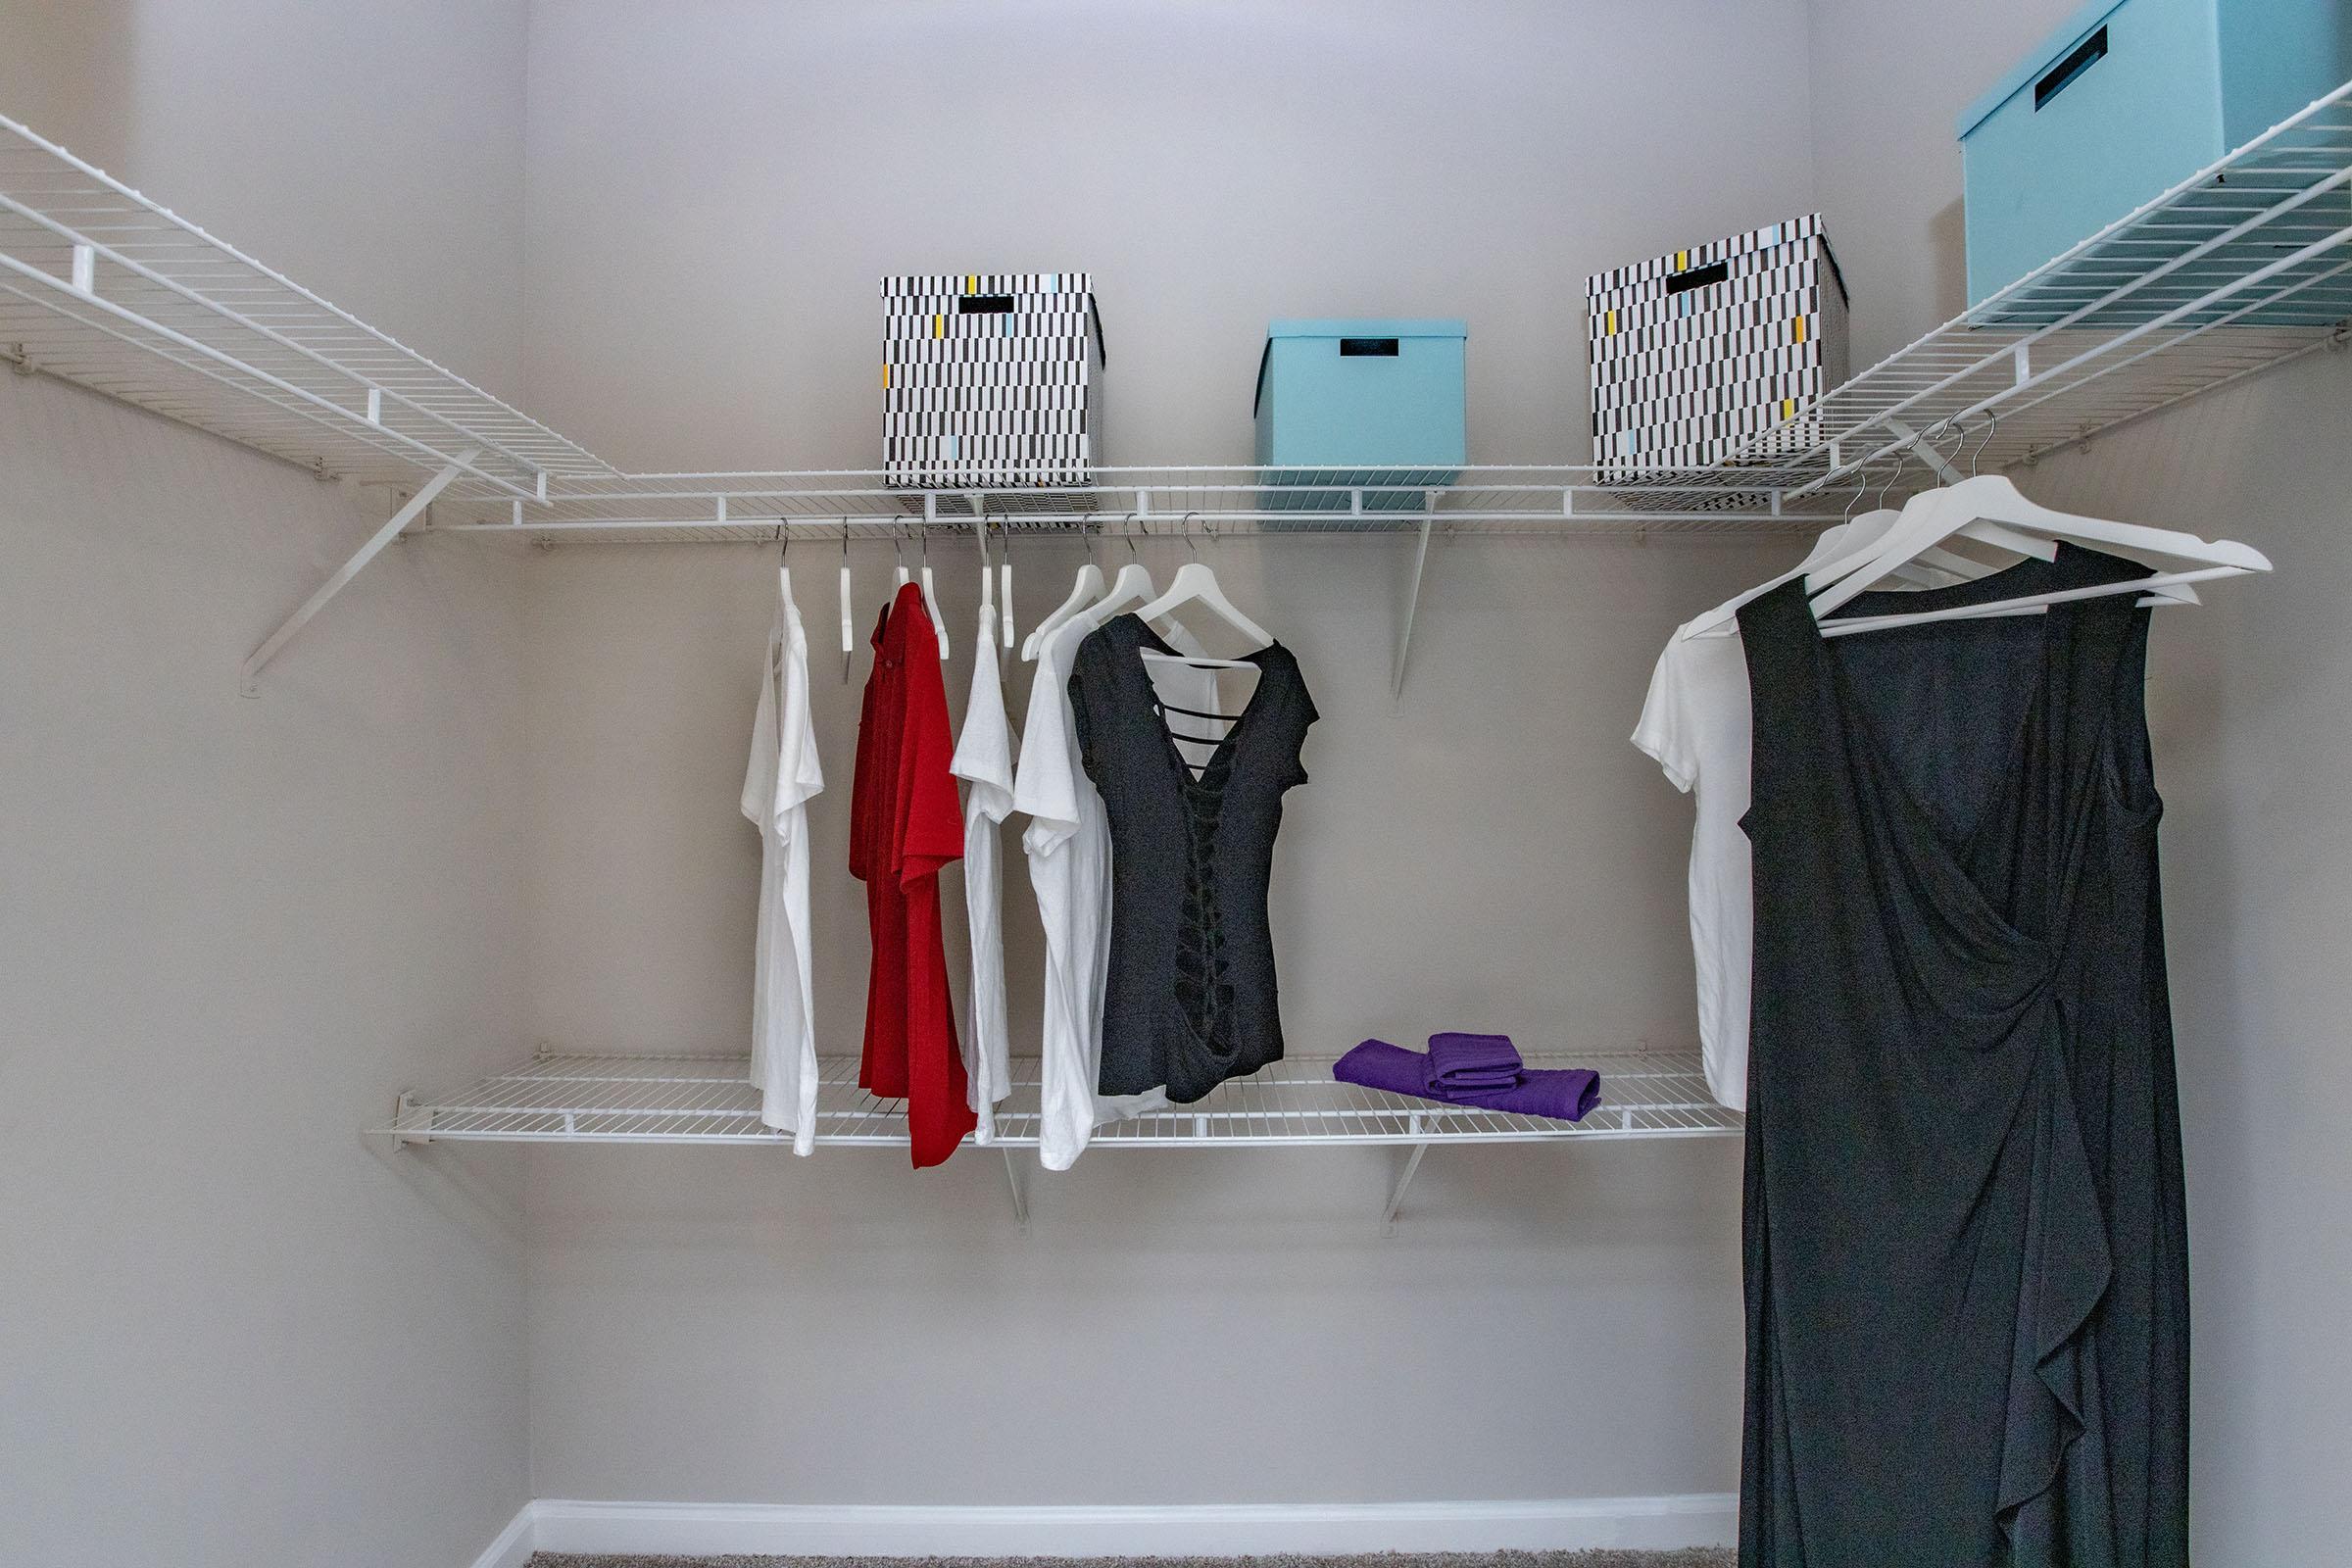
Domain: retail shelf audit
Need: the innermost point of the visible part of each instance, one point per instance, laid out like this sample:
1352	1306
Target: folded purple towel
1459	1061
1564	1094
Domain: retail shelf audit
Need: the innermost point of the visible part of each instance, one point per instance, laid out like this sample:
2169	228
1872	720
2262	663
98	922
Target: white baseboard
515	1543
1197	1530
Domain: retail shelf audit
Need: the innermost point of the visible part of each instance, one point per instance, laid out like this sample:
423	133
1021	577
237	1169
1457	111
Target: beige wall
372	153
232	1331
2251	698
238	1333
712	202
713	198
1226	1327
488	800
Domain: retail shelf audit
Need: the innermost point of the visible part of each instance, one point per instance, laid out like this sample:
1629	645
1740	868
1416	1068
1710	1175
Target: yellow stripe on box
1788	408
1681	261
885	375
1800	328
1610	330
939	327
971	285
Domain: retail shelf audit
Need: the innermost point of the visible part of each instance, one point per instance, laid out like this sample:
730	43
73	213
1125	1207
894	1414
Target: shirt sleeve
864	807
1665	731
759	777
1044	783
930	823
797	774
1083	684
984	749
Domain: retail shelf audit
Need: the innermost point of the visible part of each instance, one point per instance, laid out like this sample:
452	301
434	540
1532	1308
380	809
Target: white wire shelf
2238	269
101	286
1489	499
2243	267
708	1100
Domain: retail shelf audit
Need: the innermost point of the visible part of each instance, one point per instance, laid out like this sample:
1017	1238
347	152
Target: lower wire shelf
708	1100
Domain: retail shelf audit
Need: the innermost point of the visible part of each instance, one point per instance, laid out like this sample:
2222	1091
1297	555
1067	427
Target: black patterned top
1189	995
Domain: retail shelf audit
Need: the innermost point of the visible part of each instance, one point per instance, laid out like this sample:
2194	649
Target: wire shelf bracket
249	677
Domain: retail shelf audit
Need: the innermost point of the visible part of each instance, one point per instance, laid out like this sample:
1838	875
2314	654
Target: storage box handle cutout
1367	348
984	305
1684	282
2084	55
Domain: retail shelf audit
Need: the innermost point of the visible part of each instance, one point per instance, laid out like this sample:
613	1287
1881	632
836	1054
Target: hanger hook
1861	489
1188	534
1131	550
1993	422
845	540
1894	471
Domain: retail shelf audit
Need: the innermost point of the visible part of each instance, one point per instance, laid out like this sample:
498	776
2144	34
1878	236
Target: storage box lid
1346	327
2070	32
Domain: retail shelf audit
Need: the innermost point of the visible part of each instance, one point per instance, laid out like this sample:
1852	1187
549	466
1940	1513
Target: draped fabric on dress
1965	1254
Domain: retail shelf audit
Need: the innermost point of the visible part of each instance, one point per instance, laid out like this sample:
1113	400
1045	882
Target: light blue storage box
2125	101
1360	403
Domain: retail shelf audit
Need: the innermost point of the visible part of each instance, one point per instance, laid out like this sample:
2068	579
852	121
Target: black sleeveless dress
1966	1260
1191	998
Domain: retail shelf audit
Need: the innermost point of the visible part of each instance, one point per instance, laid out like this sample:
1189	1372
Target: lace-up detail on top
1191	997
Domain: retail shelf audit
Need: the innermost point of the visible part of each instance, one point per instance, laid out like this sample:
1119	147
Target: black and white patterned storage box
991	380
1704	353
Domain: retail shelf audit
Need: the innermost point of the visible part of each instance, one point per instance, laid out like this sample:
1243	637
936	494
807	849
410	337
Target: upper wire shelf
708	1100
2239	268
1268	501
101	286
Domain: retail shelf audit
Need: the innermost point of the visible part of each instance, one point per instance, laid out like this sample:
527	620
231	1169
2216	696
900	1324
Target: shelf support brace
1404	1179
402	1109
1925	453
261	656
1413	599
1021	1199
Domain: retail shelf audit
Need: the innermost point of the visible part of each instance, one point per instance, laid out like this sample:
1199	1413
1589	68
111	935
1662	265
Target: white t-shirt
984	760
1695	724
1069	845
777	789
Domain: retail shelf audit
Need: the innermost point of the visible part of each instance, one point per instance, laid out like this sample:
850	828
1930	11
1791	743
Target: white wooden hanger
1834	543
1004	582
988	584
991	596
1083	592
1934	515
1132	586
939	623
1196	583
2039	544
848	636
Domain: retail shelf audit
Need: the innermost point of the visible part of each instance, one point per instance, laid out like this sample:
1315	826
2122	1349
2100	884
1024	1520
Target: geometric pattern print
1699	351
990	378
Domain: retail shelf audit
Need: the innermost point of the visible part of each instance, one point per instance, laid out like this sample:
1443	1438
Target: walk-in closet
800	779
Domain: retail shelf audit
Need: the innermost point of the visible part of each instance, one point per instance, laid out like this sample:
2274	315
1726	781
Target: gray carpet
1696	1558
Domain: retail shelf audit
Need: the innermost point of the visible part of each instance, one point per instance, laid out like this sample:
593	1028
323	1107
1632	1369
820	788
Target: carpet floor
1696	1558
